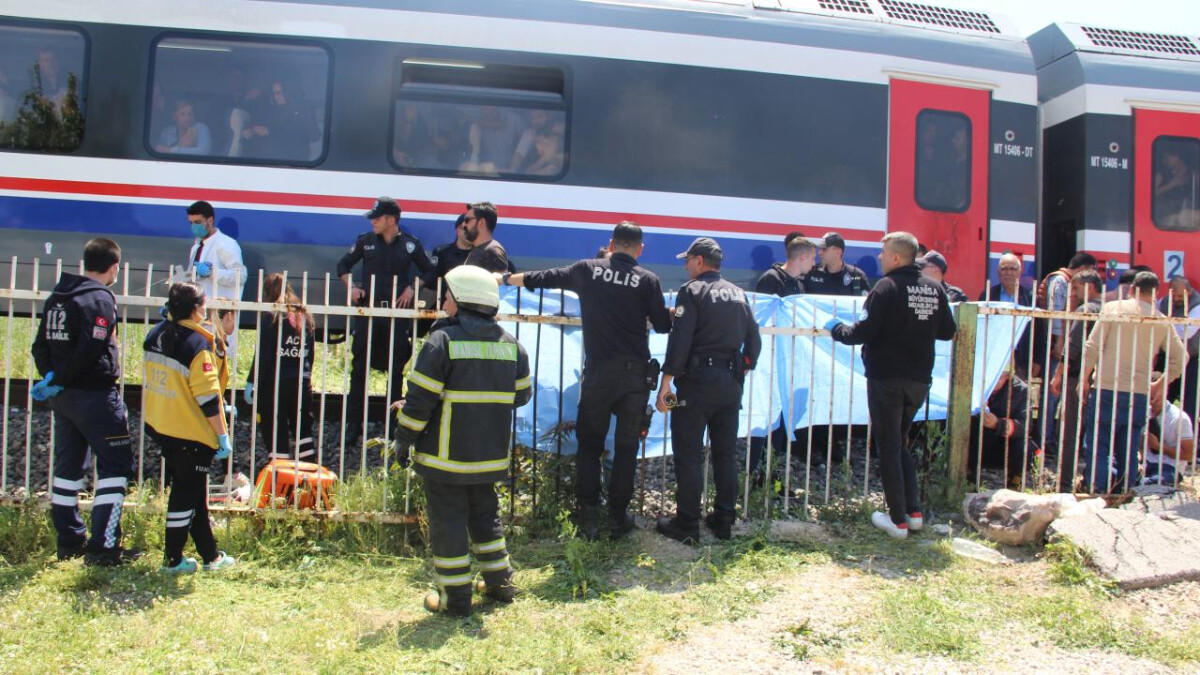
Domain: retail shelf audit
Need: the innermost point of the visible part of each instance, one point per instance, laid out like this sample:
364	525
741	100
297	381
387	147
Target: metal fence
820	457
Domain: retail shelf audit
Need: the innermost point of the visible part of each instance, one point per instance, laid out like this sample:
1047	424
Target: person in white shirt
215	260
1170	442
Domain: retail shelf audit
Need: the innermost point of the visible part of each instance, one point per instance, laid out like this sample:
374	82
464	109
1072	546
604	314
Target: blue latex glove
248	394
223	448
833	323
203	270
43	390
231	410
162	311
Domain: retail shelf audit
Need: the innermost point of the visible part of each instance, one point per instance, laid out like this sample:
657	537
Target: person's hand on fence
44	391
1056	386
990	421
204	270
833	323
223	447
405	300
661	403
248	393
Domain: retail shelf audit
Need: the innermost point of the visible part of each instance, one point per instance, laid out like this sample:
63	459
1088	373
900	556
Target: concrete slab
1136	546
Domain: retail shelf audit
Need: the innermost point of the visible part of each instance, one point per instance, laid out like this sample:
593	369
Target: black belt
712	362
630	364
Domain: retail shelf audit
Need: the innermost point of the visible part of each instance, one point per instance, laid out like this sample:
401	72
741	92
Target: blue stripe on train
254	226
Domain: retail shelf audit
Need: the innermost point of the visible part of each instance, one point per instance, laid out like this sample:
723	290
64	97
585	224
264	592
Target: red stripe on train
292	199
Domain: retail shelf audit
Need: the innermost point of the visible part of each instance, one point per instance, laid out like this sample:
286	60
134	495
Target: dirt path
808	627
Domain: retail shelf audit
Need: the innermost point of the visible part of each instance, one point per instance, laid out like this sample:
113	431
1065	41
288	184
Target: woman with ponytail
185	373
281	376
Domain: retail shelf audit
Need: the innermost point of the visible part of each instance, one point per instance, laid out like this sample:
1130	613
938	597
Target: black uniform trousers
464	520
616	387
187	505
709	397
893	403
277	419
389	338
95	419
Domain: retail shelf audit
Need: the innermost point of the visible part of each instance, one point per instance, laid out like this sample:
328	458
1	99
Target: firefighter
467	379
76	352
186	373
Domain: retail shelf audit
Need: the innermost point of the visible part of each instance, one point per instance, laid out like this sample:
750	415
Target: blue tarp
822	382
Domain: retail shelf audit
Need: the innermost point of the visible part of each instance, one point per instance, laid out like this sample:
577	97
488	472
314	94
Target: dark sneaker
111	557
720	525
454	605
672	528
71	551
621	524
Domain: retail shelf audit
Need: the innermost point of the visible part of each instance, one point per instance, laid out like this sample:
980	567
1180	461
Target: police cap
703	246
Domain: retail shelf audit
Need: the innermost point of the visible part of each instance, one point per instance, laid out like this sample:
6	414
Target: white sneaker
884	522
915	523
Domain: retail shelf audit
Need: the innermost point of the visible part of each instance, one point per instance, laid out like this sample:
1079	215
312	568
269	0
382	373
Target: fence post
962	381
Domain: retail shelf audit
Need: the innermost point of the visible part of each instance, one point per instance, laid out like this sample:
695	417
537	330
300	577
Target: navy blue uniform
401	260
76	340
280	342
775	281
849	281
616	298
714	341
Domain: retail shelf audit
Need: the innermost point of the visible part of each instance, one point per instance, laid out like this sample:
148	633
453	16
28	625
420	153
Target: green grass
347	598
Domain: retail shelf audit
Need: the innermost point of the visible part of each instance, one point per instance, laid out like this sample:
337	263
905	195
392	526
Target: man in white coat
215	260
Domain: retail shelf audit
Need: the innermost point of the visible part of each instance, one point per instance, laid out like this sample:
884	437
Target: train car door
1166	192
938	173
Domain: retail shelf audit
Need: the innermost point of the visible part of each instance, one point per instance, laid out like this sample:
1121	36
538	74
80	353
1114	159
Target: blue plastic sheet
805	380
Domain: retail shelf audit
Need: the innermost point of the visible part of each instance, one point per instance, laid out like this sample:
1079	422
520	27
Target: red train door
938	174
1166	192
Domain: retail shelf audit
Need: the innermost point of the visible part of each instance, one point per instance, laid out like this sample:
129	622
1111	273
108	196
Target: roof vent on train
945	17
848	6
1157	43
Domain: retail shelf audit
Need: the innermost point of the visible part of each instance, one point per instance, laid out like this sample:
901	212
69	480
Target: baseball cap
933	258
833	239
703	246
384	206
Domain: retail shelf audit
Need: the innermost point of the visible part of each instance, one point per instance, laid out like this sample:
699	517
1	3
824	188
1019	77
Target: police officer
463	387
899	322
835	276
933	265
616	298
714	341
387	254
448	256
76	351
782	280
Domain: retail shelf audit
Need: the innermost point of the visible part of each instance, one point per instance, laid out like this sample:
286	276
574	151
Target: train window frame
249	39
82	90
557	100
918	165
1154	199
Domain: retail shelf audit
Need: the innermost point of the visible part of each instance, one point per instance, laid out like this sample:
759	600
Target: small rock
977	551
942	530
792	530
1014	518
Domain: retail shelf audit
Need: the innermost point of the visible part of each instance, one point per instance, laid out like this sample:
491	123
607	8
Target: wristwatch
504	278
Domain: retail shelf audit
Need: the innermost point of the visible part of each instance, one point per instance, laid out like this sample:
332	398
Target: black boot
672	528
112	557
504	591
589	521
456	601
720	524
621	524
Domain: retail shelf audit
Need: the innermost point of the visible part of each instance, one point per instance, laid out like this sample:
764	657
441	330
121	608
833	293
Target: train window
42	78
479	119
251	101
1176	202
943	181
